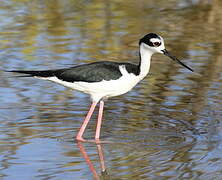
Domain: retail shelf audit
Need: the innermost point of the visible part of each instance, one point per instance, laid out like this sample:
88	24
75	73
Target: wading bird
105	79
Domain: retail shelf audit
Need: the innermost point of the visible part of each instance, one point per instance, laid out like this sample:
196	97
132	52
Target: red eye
156	44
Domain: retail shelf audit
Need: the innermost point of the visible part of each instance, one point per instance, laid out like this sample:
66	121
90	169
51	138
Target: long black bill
165	52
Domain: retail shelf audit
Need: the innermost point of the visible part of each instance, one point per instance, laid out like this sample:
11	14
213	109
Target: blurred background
168	127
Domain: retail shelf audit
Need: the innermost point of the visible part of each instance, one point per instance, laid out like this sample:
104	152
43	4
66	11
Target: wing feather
93	72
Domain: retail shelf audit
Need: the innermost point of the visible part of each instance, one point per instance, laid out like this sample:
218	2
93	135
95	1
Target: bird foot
80	139
97	141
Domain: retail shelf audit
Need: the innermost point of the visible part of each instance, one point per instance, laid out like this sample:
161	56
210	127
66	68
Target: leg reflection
101	157
90	164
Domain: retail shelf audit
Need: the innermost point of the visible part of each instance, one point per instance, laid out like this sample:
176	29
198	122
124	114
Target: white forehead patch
155	40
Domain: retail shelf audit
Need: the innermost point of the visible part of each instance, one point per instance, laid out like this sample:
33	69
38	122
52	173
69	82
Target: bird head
155	44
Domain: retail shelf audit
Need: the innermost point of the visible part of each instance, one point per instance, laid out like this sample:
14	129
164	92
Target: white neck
145	55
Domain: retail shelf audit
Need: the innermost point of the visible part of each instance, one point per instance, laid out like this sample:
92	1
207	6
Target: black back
93	72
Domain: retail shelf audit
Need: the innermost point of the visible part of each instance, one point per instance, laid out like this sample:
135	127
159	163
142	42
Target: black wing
93	72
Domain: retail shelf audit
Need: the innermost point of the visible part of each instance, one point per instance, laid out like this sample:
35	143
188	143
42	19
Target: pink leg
85	122
99	121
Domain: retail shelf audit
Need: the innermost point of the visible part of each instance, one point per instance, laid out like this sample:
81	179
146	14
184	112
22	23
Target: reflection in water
167	127
88	161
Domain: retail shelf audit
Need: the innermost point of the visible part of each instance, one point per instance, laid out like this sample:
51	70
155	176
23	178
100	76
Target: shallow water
168	127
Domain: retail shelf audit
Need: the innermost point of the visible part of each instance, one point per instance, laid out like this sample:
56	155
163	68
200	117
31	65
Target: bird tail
47	73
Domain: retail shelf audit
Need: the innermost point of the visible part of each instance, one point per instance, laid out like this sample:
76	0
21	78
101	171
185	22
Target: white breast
103	89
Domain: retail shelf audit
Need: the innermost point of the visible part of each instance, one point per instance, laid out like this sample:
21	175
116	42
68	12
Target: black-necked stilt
102	80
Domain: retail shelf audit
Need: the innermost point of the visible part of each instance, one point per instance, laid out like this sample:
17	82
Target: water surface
168	127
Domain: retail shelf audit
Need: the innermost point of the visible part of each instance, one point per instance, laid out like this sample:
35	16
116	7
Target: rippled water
168	127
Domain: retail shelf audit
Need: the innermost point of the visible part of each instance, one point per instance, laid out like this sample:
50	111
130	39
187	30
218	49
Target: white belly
103	89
